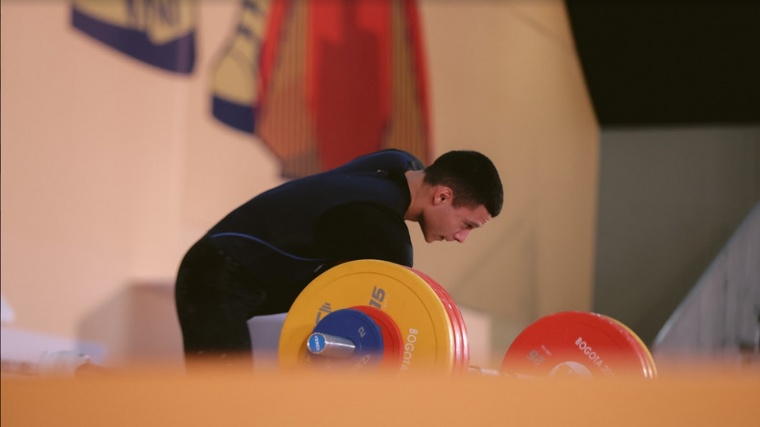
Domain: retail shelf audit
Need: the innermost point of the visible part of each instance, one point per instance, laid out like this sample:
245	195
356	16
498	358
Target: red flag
342	78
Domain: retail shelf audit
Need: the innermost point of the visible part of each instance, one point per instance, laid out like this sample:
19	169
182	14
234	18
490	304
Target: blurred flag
234	82
326	80
158	32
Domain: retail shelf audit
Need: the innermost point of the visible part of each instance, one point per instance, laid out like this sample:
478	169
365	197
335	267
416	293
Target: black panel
670	62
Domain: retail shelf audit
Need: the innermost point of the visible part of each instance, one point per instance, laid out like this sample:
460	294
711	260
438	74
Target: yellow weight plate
652	369
428	335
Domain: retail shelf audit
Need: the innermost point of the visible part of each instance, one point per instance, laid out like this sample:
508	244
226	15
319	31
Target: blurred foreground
686	394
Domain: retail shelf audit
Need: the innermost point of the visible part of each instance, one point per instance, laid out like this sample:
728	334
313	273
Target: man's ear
443	195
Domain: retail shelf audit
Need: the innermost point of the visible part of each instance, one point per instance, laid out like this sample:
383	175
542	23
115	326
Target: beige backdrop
111	168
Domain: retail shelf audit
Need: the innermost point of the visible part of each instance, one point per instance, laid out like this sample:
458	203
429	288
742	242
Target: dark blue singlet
288	235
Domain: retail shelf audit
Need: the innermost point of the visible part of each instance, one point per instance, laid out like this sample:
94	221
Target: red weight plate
393	342
455	322
574	344
464	360
464	351
463	343
462	356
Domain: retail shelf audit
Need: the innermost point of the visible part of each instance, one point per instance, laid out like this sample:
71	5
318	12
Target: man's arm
364	230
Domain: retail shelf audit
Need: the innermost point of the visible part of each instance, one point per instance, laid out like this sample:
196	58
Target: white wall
105	161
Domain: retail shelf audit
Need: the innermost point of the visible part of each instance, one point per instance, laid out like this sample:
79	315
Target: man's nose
461	236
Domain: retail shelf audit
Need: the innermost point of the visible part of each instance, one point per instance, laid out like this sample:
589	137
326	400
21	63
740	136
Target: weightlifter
259	257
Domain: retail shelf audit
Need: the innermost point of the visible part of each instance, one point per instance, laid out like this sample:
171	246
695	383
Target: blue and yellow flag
235	74
158	32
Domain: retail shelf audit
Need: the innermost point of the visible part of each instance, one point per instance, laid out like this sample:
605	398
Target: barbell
371	315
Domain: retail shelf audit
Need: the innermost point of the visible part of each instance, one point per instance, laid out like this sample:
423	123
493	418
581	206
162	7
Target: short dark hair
471	176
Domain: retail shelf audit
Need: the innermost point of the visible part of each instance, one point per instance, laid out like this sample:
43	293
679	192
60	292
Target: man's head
466	193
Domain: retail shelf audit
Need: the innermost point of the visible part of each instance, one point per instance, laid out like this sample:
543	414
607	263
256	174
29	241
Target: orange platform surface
212	398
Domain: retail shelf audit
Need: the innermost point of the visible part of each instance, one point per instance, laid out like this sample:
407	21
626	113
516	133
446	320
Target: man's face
442	221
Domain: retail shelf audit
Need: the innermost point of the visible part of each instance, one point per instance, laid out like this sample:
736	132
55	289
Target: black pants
215	297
